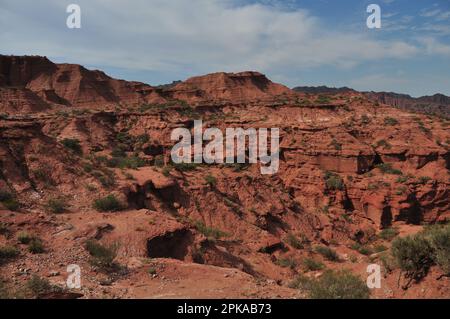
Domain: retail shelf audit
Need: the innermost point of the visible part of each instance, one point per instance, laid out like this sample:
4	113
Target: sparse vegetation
293	241
57	205
209	232
39	286
108	204
36	246
333	285
102	256
414	255
327	252
387	169
390	121
24	238
333	181
73	145
8	200
336	145
286	263
388	234
8	252
312	264
211	180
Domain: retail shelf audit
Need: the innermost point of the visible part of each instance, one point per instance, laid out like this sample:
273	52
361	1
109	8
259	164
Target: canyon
351	169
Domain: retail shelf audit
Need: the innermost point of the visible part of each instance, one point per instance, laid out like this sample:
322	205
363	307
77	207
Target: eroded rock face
348	167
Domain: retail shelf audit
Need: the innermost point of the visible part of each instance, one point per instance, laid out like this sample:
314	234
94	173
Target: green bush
8	200
24	238
72	144
8	252
132	162
209	232
390	121
439	238
4	229
387	169
57	205
36	246
333	181
388	234
334	285
108	204
312	264
327	252
185	167
414	255
286	262
336	145
293	241
5	195
39	286
211	180
102	255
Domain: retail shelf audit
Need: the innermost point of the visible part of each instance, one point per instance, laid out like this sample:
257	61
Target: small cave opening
377	160
386	217
174	245
412	215
347	204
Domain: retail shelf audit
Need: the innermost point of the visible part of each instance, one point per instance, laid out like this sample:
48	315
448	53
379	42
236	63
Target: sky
293	42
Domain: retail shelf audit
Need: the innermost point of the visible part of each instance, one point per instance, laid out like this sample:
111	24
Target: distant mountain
437	104
322	90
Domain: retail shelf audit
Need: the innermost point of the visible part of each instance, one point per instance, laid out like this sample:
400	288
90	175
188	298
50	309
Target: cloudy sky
295	42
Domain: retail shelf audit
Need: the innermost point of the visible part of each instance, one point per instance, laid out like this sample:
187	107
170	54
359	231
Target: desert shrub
390	121
8	252
152	271
389	263
414	255
4	293
293	241
102	255
4	229
132	162
5	195
39	286
56	205
364	250
388	234
159	161
335	285
312	264
185	167
24	238
119	151
439	239
209	232
286	263
8	200
327	252
384	144
336	145
108	204
333	181
387	169
424	179
379	248
323	99
36	246
72	144
211	180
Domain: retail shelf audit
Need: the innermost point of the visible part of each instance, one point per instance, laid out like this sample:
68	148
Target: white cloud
194	35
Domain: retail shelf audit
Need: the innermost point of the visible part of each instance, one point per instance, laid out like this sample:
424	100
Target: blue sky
294	42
